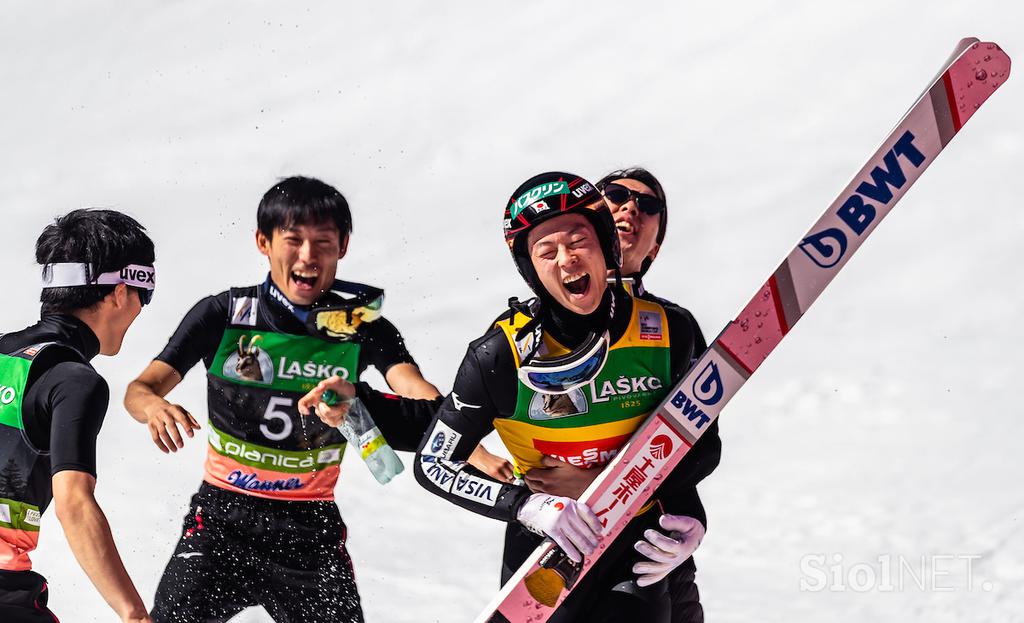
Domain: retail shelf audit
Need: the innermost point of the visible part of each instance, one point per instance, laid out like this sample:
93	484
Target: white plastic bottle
360	432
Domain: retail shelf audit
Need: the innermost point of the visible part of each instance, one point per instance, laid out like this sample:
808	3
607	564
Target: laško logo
622	386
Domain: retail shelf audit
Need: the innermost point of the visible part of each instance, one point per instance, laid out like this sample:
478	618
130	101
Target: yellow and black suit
653	345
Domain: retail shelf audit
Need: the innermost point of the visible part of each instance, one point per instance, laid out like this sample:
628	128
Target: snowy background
886	425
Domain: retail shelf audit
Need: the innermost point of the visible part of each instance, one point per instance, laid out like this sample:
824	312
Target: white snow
887	424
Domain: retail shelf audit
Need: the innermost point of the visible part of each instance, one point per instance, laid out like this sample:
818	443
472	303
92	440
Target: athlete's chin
581	304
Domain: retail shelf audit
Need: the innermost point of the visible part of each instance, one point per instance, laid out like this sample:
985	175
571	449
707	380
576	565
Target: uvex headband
70	275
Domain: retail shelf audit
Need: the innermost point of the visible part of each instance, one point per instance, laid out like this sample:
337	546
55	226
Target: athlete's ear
343	246
262	243
119	296
653	253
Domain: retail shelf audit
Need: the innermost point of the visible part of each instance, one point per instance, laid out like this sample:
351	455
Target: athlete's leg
205	580
23	597
313	580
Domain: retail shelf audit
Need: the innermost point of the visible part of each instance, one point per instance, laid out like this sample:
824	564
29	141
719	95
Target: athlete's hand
570	524
667	552
491	464
560	478
163	419
332	416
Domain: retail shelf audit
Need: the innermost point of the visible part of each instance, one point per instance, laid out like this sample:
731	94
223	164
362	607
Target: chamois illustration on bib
554	406
249	362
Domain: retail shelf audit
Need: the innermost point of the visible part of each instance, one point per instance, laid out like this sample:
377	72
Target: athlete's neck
570	328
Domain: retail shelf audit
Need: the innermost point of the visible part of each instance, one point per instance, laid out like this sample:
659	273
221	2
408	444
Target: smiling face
303	259
567	256
638	232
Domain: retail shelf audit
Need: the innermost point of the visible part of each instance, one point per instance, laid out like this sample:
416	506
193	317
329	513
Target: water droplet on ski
757	340
980	75
988	57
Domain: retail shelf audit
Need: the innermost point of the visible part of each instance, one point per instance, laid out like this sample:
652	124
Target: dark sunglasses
648	204
145	296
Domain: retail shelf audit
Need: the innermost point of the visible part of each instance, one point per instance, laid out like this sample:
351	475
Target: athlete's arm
405	379
71	400
195	338
402	421
144	401
464	418
389	354
88	534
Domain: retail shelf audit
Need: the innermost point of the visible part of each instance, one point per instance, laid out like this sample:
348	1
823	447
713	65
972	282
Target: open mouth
577	284
625	227
303	278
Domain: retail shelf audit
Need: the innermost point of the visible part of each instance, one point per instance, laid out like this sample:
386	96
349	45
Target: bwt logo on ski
827	247
708	387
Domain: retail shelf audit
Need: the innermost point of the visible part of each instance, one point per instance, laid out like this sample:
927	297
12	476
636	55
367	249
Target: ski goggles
339	313
567	372
72	275
648	204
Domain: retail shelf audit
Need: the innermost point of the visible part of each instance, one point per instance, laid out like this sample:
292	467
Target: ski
969	77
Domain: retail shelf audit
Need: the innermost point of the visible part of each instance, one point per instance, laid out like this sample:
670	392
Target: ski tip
973	77
965	43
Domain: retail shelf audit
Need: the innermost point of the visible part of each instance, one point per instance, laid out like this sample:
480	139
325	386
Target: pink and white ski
969	77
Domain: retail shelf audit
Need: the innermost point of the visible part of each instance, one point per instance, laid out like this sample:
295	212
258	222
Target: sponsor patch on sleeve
476	489
438	472
443	440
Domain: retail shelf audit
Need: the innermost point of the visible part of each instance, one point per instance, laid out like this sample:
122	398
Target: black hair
105	240
643	176
301	200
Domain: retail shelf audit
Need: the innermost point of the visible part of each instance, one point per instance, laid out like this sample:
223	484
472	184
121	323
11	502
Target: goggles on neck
340	312
73	274
567	372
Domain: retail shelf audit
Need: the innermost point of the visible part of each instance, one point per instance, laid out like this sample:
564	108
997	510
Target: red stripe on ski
947	81
734	356
777	299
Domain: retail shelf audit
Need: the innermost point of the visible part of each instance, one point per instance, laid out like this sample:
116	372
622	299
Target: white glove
667	552
570	523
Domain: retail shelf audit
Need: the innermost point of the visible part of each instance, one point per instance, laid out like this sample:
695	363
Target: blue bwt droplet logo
825	248
708	387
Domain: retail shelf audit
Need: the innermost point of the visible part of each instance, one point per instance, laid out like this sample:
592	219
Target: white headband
69	275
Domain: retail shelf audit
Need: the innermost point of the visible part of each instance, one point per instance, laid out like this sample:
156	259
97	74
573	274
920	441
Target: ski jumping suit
652	347
52	405
263	528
